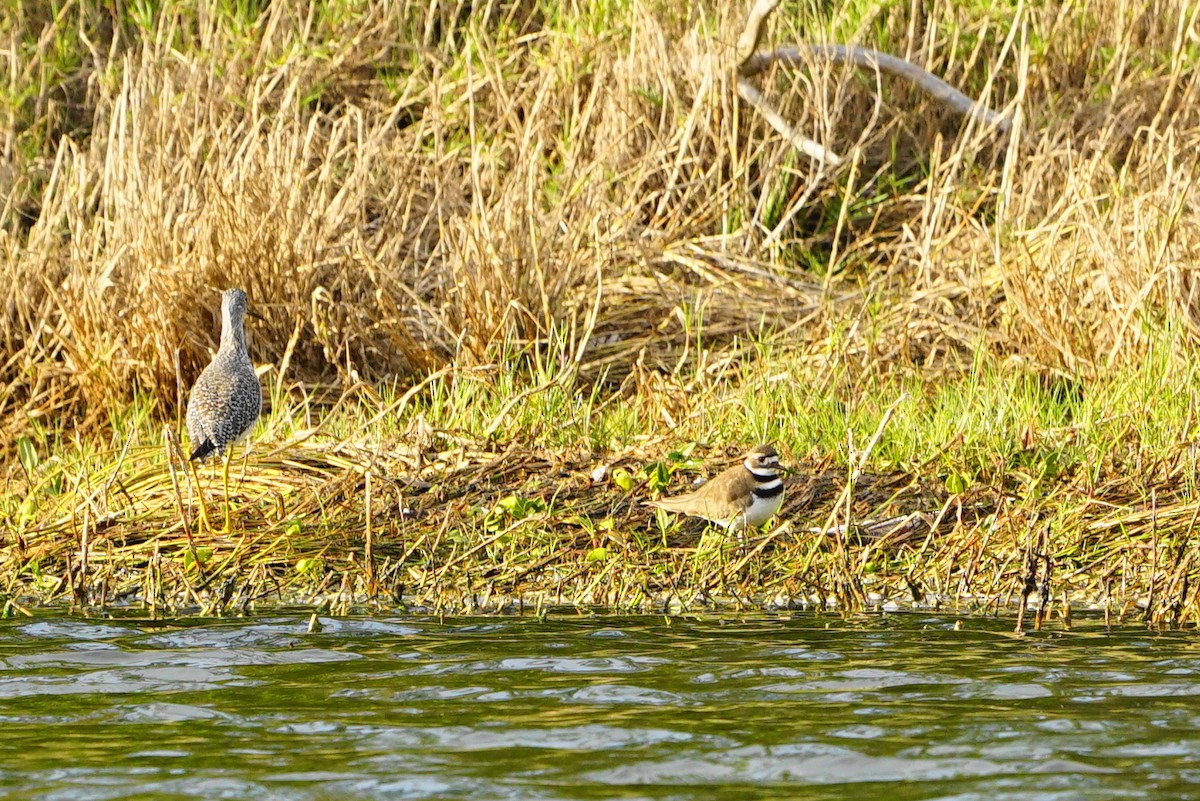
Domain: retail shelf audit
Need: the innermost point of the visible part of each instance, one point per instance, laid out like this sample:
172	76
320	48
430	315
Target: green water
899	707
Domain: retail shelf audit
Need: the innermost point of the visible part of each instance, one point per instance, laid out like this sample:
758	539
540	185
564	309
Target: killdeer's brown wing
716	499
738	490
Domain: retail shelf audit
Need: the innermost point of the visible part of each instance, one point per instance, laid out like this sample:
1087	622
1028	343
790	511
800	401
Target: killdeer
748	494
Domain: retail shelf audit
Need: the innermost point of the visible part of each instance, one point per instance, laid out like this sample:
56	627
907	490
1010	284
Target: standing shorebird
745	495
226	399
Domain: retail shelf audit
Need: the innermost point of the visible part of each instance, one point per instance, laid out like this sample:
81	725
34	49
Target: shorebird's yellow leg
228	523
206	524
245	461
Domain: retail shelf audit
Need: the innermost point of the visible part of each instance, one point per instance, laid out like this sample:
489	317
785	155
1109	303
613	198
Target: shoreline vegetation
525	266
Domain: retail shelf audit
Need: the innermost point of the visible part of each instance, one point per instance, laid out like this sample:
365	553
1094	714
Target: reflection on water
898	707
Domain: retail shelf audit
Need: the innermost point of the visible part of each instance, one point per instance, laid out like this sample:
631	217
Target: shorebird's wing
716	499
732	494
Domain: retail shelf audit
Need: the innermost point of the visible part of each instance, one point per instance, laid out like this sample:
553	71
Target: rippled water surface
900	707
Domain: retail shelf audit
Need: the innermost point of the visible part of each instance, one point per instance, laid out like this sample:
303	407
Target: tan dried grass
504	173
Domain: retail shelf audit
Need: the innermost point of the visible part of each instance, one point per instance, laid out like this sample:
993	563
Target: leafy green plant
512	508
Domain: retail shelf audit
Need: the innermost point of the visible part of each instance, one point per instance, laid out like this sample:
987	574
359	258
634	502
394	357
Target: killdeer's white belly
762	509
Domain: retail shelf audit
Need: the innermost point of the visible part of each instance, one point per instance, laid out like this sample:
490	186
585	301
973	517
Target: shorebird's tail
203	450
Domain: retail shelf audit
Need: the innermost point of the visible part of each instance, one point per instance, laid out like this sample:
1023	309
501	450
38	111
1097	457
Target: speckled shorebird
745	495
227	398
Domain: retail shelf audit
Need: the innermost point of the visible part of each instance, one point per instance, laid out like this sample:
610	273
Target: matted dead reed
325	522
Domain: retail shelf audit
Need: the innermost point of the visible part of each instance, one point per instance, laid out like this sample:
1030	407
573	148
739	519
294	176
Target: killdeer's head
763	461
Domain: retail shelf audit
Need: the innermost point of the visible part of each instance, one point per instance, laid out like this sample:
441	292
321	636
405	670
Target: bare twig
748	42
802	143
746	47
751	63
865	58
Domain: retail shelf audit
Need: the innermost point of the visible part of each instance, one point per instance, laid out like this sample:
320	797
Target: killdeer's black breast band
769	492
